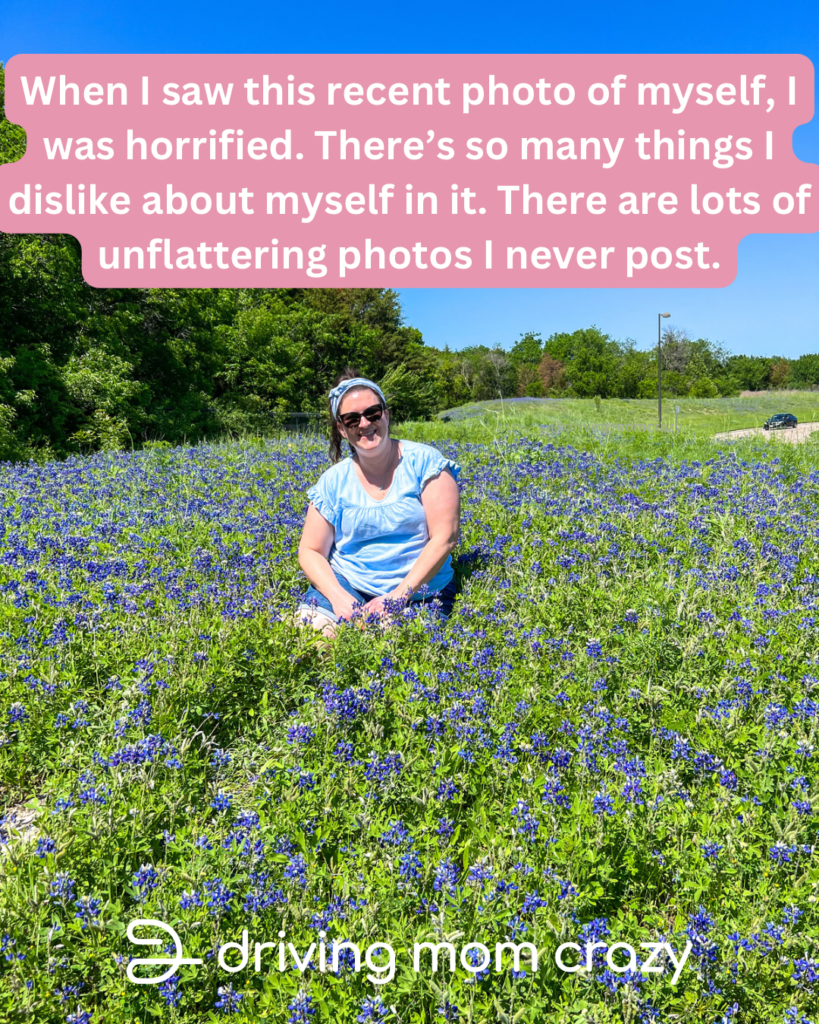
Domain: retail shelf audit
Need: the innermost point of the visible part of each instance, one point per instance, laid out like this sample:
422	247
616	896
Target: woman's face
367	436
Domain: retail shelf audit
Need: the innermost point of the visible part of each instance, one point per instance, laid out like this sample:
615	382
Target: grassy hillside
701	417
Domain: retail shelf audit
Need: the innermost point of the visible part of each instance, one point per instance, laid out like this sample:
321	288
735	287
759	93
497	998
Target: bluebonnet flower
301	1008
528	824
447	790
228	999
144	881
632	791
554	793
594	931
62	887
710	851
246	821
80	1017
169	990
477	959
88	910
793	1016
300	734
602	804
445	829
449	1011
296	870
396	835
17	713
264	895
66	992
385	768
806	972
92	795
372	1009
7	944
343	751
790	915
217	897
222	801
479	873
781	852
45	846
698	931
409	866
446	876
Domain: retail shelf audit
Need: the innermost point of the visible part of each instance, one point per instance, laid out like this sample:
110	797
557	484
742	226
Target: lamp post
660	373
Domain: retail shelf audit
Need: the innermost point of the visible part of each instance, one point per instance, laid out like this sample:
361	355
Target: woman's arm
442	504
314	549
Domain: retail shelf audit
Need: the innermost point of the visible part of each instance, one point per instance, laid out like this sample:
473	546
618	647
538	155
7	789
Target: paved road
796	435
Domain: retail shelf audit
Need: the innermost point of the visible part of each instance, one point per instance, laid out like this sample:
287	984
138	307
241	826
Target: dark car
780	421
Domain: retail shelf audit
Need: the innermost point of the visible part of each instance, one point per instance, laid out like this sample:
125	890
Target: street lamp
660	373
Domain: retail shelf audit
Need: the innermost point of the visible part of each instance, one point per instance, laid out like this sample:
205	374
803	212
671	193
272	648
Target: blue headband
341	390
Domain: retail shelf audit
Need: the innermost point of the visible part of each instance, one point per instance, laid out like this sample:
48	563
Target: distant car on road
780	421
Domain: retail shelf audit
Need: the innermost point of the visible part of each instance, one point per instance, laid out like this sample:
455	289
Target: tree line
83	369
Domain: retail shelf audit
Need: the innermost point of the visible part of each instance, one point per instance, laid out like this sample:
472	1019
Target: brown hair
335	434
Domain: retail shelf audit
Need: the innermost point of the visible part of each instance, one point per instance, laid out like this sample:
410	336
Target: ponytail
335	452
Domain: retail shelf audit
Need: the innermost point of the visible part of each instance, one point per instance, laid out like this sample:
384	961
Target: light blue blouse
377	542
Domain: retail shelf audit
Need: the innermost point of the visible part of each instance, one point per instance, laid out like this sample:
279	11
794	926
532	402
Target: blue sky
771	308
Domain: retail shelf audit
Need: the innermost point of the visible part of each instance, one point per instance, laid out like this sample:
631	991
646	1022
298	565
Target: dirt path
795	435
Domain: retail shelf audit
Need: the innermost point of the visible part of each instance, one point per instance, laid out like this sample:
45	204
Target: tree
528	350
779	373
591	359
552	374
804	372
529	382
703	387
409	395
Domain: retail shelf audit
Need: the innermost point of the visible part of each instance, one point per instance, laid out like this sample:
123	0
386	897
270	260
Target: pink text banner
528	170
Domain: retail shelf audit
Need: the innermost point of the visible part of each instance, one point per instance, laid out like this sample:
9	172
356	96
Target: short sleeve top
377	542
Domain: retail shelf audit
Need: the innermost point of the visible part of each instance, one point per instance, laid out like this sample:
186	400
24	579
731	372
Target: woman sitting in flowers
381	523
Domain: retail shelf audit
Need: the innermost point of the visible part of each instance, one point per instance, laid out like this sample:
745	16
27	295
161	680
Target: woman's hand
343	606
377	603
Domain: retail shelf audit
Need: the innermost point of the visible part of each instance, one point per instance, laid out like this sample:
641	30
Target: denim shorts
314	599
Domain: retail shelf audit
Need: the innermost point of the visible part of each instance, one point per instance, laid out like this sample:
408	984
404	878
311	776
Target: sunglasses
373	414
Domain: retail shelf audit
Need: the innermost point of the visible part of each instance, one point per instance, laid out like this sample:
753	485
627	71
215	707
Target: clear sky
771	308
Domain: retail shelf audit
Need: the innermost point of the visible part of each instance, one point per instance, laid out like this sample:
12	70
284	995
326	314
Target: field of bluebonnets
613	739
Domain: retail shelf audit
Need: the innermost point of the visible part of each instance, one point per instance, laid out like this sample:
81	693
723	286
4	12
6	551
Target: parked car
780	421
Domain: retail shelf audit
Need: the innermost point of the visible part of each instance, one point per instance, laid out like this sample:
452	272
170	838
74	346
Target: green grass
700	417
614	734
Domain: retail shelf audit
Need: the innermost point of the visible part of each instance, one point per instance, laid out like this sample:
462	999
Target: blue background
771	308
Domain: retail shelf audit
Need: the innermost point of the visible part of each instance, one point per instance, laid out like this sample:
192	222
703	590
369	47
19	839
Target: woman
382	522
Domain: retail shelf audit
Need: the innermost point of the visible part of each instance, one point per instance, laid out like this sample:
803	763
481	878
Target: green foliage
410	396
12	136
528	350
591	359
804	372
703	387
